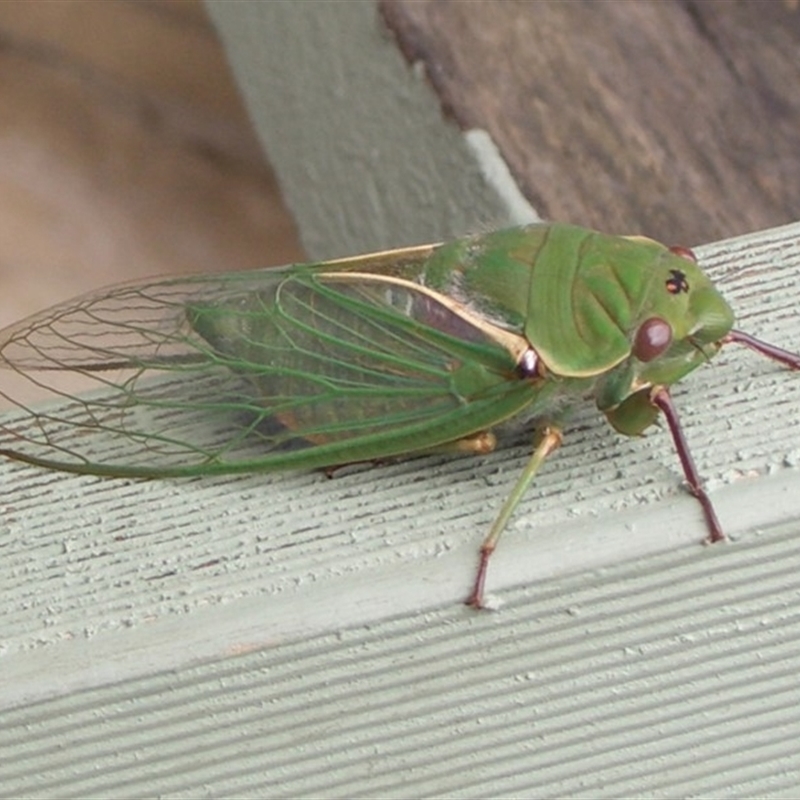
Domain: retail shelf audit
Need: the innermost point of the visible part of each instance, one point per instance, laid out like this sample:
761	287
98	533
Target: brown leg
661	397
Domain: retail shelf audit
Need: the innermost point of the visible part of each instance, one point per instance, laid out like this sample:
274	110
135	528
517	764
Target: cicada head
682	324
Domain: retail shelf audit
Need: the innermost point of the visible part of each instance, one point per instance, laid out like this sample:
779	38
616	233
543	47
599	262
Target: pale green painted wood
273	636
670	676
293	635
358	140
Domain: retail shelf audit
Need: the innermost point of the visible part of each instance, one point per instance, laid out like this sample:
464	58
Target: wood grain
679	120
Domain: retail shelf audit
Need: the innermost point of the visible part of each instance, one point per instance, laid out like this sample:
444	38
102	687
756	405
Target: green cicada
386	355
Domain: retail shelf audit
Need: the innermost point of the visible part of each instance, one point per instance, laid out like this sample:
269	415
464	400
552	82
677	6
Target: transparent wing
252	371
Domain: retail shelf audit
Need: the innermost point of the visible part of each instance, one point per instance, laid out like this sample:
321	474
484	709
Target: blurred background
125	152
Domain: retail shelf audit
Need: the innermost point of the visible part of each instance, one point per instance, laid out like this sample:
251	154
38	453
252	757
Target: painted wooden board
274	635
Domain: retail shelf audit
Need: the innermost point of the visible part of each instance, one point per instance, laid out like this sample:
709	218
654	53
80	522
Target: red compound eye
683	252
652	339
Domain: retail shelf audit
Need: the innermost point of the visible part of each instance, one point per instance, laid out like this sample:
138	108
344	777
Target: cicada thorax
626	311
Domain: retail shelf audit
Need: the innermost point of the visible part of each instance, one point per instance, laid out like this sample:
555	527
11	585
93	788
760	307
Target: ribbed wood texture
297	636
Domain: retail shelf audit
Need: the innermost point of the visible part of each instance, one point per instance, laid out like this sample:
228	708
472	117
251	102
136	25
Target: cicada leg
477	444
550	441
661	398
791	360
